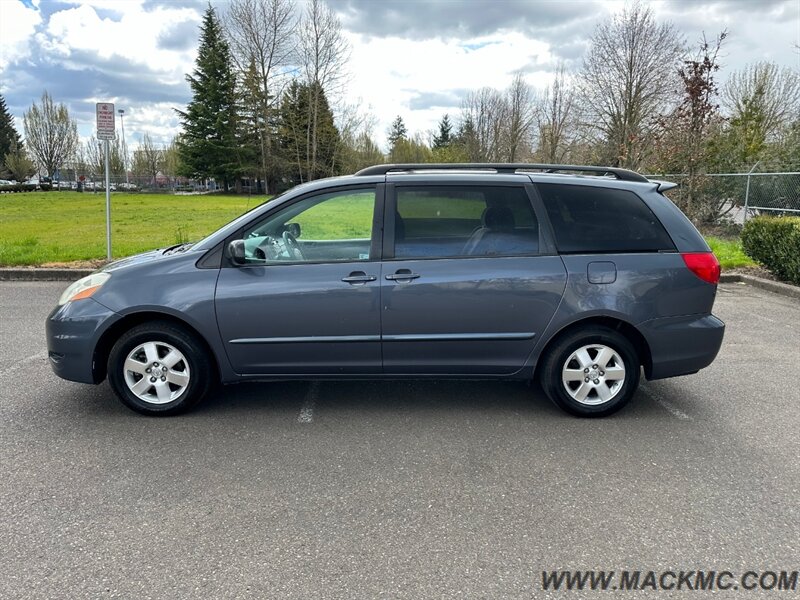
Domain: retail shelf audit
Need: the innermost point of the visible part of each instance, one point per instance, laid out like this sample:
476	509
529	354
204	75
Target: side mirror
236	252
294	229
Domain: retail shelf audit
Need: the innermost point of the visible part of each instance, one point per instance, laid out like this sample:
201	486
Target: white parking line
307	410
40	357
659	399
762	317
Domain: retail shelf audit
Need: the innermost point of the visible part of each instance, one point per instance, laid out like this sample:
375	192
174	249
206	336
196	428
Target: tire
167	388
563	375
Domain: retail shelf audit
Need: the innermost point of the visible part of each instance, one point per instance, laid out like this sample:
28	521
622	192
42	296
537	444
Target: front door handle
358	277
402	275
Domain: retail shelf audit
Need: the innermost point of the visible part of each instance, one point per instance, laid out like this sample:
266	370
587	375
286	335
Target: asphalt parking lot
396	489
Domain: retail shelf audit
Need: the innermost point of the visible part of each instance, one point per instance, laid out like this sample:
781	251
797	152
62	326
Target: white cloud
134	36
120	6
755	33
387	73
158	120
17	26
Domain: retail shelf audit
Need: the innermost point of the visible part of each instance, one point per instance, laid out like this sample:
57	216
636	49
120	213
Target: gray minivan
579	276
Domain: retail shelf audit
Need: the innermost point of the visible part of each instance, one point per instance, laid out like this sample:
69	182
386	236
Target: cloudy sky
410	57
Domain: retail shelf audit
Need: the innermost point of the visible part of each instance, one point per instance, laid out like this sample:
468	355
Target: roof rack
621	174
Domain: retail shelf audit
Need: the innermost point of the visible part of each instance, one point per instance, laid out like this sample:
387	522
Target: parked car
580	277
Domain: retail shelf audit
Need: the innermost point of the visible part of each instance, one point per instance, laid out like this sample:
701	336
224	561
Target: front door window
332	227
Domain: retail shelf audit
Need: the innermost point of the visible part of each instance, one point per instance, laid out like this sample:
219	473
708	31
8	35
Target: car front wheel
159	368
591	372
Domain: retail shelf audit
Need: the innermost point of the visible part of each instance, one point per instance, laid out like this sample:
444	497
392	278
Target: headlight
83	288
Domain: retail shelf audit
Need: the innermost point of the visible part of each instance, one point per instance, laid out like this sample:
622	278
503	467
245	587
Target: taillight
703	264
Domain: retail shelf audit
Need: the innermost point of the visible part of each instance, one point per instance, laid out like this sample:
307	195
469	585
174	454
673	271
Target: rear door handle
402	275
358	277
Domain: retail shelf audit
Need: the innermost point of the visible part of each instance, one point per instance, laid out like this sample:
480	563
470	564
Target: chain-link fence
738	196
69	179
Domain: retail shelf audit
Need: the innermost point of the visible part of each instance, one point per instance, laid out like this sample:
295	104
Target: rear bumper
682	345
73	331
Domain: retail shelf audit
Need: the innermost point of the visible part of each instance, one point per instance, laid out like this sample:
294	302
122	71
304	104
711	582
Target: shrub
18	187
775	243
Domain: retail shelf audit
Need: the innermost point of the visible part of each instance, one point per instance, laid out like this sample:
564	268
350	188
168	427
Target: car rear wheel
159	368
591	372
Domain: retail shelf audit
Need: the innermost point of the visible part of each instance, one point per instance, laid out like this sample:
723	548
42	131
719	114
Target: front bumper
682	345
73	331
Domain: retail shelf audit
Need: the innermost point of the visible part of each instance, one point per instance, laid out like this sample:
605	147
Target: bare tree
261	33
170	163
498	126
81	161
765	97
93	153
486	111
628	80
355	125
148	159
521	112
50	133
323	54
556	118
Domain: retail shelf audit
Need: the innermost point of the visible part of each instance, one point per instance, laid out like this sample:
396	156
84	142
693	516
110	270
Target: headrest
498	218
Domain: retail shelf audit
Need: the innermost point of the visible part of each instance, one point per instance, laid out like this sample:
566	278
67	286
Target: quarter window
441	222
589	219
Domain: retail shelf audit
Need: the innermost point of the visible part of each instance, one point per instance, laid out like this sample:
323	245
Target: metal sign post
108	208
106	131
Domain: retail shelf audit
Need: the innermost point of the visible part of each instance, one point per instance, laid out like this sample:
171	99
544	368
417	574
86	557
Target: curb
784	289
43	274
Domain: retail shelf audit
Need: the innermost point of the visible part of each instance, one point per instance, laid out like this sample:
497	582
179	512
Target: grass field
48	227
40	228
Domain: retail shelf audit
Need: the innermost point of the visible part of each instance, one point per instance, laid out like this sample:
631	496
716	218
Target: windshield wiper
182	247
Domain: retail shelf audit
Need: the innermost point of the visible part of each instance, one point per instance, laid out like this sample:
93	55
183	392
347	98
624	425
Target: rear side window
443	222
601	220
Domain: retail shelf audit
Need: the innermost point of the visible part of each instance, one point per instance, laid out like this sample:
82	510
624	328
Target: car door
468	280
307	299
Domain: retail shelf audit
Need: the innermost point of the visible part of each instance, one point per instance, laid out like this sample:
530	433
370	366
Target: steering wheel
292	247
266	250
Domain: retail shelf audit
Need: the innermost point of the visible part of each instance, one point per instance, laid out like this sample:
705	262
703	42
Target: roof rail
621	174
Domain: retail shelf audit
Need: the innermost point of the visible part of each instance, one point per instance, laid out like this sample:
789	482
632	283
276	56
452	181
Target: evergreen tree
292	142
9	137
294	119
397	132
250	123
207	147
445	135
467	139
